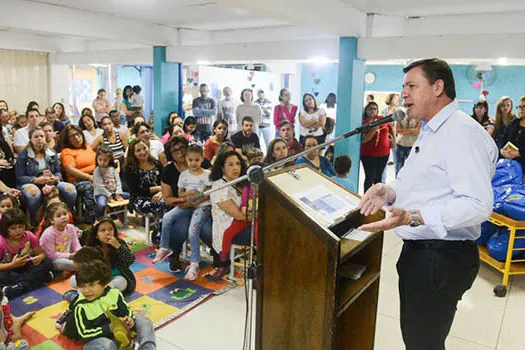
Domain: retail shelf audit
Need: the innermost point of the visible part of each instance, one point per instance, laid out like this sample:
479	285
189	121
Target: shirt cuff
432	219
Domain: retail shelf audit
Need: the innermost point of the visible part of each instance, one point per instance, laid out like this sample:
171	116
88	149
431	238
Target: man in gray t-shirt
226	110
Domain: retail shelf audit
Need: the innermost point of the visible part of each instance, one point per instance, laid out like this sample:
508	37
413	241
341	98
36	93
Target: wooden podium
303	302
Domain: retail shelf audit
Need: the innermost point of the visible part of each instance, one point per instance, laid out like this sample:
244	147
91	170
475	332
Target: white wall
59	84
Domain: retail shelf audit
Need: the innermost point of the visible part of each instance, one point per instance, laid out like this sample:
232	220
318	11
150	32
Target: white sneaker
192	272
162	254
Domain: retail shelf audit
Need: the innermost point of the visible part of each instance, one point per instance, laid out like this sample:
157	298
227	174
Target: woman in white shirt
312	119
156	148
89	128
230	221
330	108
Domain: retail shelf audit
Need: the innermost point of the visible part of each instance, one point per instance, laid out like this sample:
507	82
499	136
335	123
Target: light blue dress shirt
447	176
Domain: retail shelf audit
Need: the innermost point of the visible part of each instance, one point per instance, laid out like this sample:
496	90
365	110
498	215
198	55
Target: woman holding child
230	212
175	232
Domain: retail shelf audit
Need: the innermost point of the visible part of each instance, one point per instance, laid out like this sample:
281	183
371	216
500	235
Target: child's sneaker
162	254
70	295
61	320
192	272
14	291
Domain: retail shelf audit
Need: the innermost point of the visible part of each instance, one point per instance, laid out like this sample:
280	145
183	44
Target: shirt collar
441	117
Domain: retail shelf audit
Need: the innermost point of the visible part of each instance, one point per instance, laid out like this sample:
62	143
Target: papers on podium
326	206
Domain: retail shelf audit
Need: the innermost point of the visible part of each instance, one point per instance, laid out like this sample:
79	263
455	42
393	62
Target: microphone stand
255	176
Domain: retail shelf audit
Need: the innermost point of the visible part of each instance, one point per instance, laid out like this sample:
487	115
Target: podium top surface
321	198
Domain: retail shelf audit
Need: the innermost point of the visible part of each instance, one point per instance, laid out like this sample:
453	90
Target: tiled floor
482	322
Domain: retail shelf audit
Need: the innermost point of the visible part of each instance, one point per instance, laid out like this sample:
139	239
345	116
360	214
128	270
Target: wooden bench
119	207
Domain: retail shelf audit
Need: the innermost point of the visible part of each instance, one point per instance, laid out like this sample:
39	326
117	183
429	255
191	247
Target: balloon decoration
477	85
317	81
313	74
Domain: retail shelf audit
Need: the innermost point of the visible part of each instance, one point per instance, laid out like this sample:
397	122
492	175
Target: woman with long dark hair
89	128
143	175
126	103
61	113
220	133
375	146
231	224
312	119
285	110
78	162
480	113
277	150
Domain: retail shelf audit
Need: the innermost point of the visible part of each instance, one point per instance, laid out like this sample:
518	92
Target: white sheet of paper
325	204
357	235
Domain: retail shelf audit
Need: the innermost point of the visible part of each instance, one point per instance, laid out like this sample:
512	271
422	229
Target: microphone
397	116
256	173
417	149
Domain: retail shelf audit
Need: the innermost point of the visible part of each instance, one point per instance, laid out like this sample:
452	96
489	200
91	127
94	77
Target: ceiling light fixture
503	61
203	62
319	60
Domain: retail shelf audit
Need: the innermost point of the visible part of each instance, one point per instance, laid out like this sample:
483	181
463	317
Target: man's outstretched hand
376	198
397	217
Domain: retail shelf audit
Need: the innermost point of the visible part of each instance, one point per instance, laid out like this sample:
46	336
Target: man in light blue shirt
437	204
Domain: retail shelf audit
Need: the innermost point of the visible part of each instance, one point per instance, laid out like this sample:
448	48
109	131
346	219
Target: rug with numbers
160	295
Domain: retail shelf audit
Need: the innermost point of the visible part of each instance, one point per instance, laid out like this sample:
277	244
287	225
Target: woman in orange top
78	162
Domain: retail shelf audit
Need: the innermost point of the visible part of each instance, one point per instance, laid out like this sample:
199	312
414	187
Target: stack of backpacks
509	200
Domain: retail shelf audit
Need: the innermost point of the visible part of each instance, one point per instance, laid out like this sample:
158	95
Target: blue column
167	88
350	95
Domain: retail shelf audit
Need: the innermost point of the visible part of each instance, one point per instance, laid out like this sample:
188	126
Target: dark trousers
374	167
433	275
32	276
401	154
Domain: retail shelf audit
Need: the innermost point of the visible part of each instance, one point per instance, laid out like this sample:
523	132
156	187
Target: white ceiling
193	14
241	29
435	8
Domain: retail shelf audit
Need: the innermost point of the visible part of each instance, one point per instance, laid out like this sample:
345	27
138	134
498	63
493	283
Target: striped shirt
117	148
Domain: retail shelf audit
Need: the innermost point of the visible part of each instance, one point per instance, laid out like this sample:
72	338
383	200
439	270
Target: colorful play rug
160	295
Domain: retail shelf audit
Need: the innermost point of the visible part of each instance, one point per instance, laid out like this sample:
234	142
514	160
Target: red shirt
281	113
379	144
294	147
210	149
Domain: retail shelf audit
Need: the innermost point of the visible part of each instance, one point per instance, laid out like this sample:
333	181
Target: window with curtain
24	77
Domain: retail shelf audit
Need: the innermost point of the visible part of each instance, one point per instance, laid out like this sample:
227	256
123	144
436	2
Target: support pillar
167	88
350	95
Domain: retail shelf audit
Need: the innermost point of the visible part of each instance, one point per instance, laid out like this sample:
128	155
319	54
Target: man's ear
439	88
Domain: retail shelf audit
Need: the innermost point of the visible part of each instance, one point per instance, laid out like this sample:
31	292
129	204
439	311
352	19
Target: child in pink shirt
60	240
23	263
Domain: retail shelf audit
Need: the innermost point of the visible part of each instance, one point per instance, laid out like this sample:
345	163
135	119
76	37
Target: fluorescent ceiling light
503	61
319	60
203	62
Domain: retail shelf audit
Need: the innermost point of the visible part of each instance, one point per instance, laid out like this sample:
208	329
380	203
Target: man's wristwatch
414	218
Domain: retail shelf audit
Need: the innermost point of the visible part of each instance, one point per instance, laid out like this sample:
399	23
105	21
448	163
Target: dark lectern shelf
302	303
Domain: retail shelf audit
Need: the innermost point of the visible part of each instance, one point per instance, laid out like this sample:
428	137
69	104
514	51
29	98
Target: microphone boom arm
256	172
